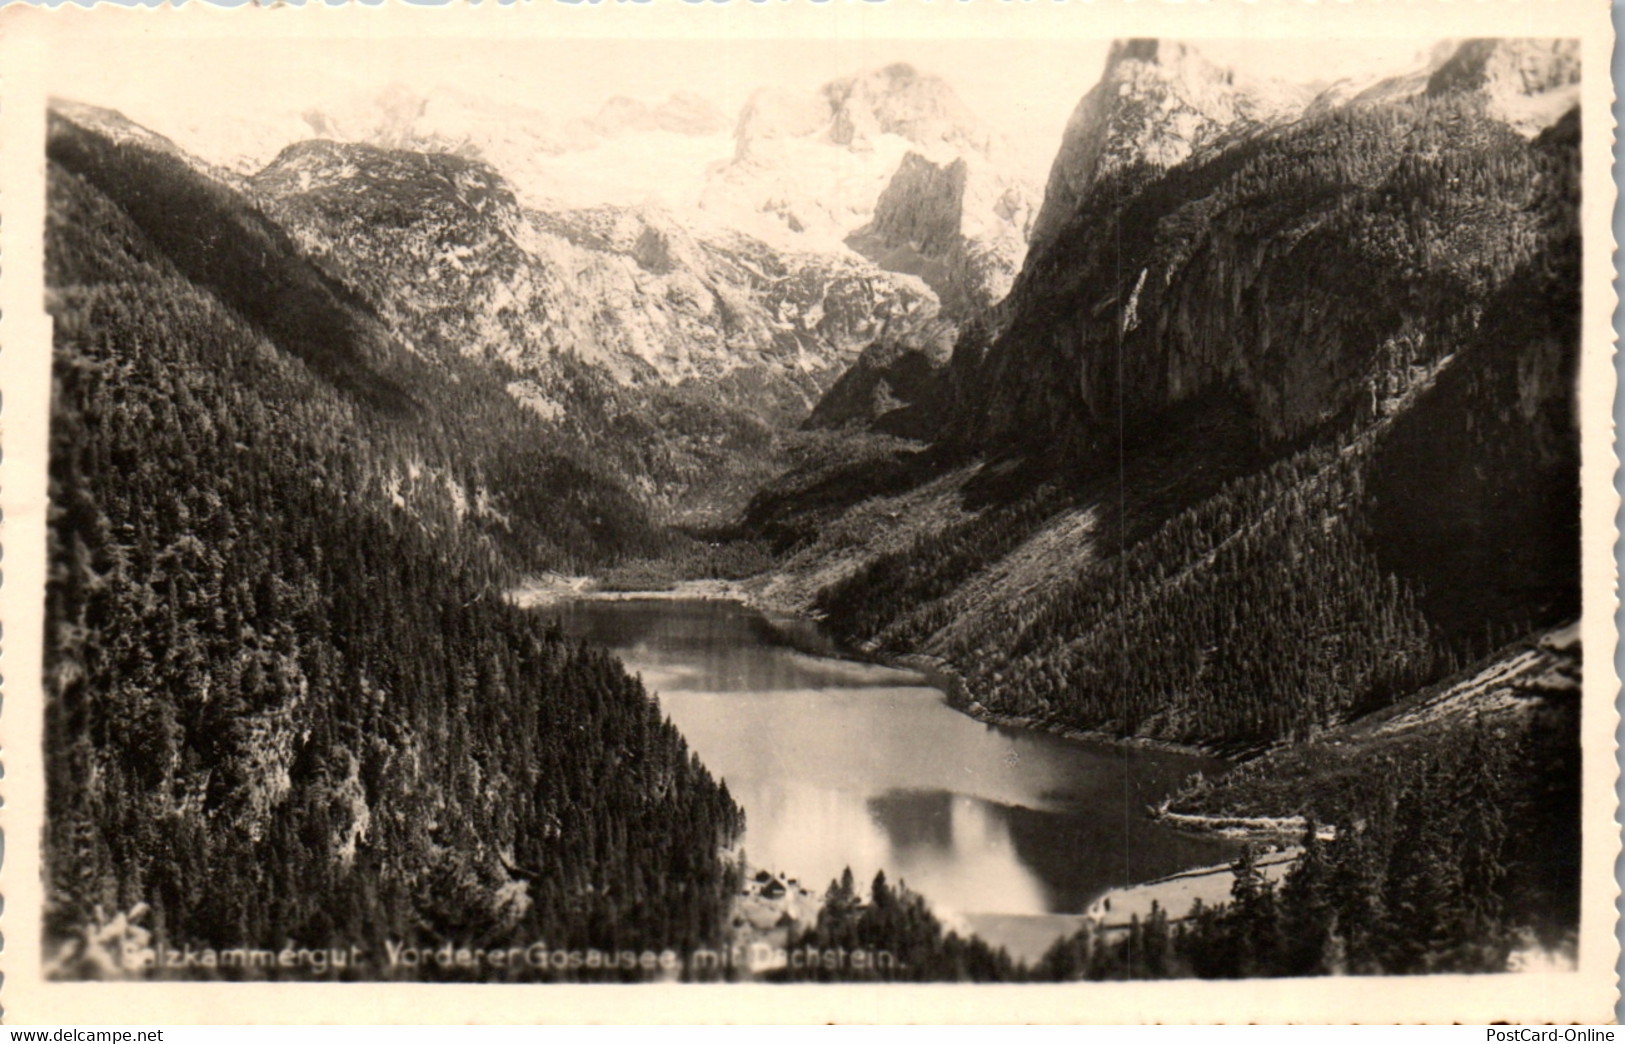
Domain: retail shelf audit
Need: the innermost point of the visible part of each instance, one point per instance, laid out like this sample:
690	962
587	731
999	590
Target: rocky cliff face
1291	418
893	164
958	225
1182	252
672	354
675	353
888	166
1158	103
896	386
445	249
1527	84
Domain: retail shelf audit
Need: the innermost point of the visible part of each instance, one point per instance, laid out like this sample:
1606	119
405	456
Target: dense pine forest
893	921
1439	864
1455	852
287	700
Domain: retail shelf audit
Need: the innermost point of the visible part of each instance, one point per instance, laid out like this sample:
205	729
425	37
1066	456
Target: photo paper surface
752	513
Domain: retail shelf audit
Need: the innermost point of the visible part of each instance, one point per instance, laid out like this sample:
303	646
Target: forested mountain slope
1455	840
459	447
1271	450
1264	437
286	698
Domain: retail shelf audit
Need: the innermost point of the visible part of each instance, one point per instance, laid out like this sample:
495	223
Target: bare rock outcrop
1527	83
444	247
1158	103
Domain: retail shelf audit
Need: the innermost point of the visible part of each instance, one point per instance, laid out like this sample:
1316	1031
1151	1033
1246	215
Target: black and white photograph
845	510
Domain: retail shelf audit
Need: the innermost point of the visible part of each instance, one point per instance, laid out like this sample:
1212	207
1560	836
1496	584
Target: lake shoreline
555	589
941	694
961	700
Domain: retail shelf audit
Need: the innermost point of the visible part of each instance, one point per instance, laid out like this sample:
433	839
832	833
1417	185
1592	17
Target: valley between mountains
1246	435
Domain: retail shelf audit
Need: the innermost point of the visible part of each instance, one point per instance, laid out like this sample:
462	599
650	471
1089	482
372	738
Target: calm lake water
839	763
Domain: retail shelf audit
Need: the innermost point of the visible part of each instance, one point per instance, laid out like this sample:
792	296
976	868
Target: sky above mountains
206	95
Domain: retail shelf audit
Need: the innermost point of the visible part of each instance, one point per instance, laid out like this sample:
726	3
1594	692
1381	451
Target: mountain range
1256	421
1231	316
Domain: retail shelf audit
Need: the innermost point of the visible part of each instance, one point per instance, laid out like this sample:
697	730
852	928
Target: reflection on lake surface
839	763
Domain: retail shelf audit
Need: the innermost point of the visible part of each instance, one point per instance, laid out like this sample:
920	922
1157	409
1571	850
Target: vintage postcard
902	512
